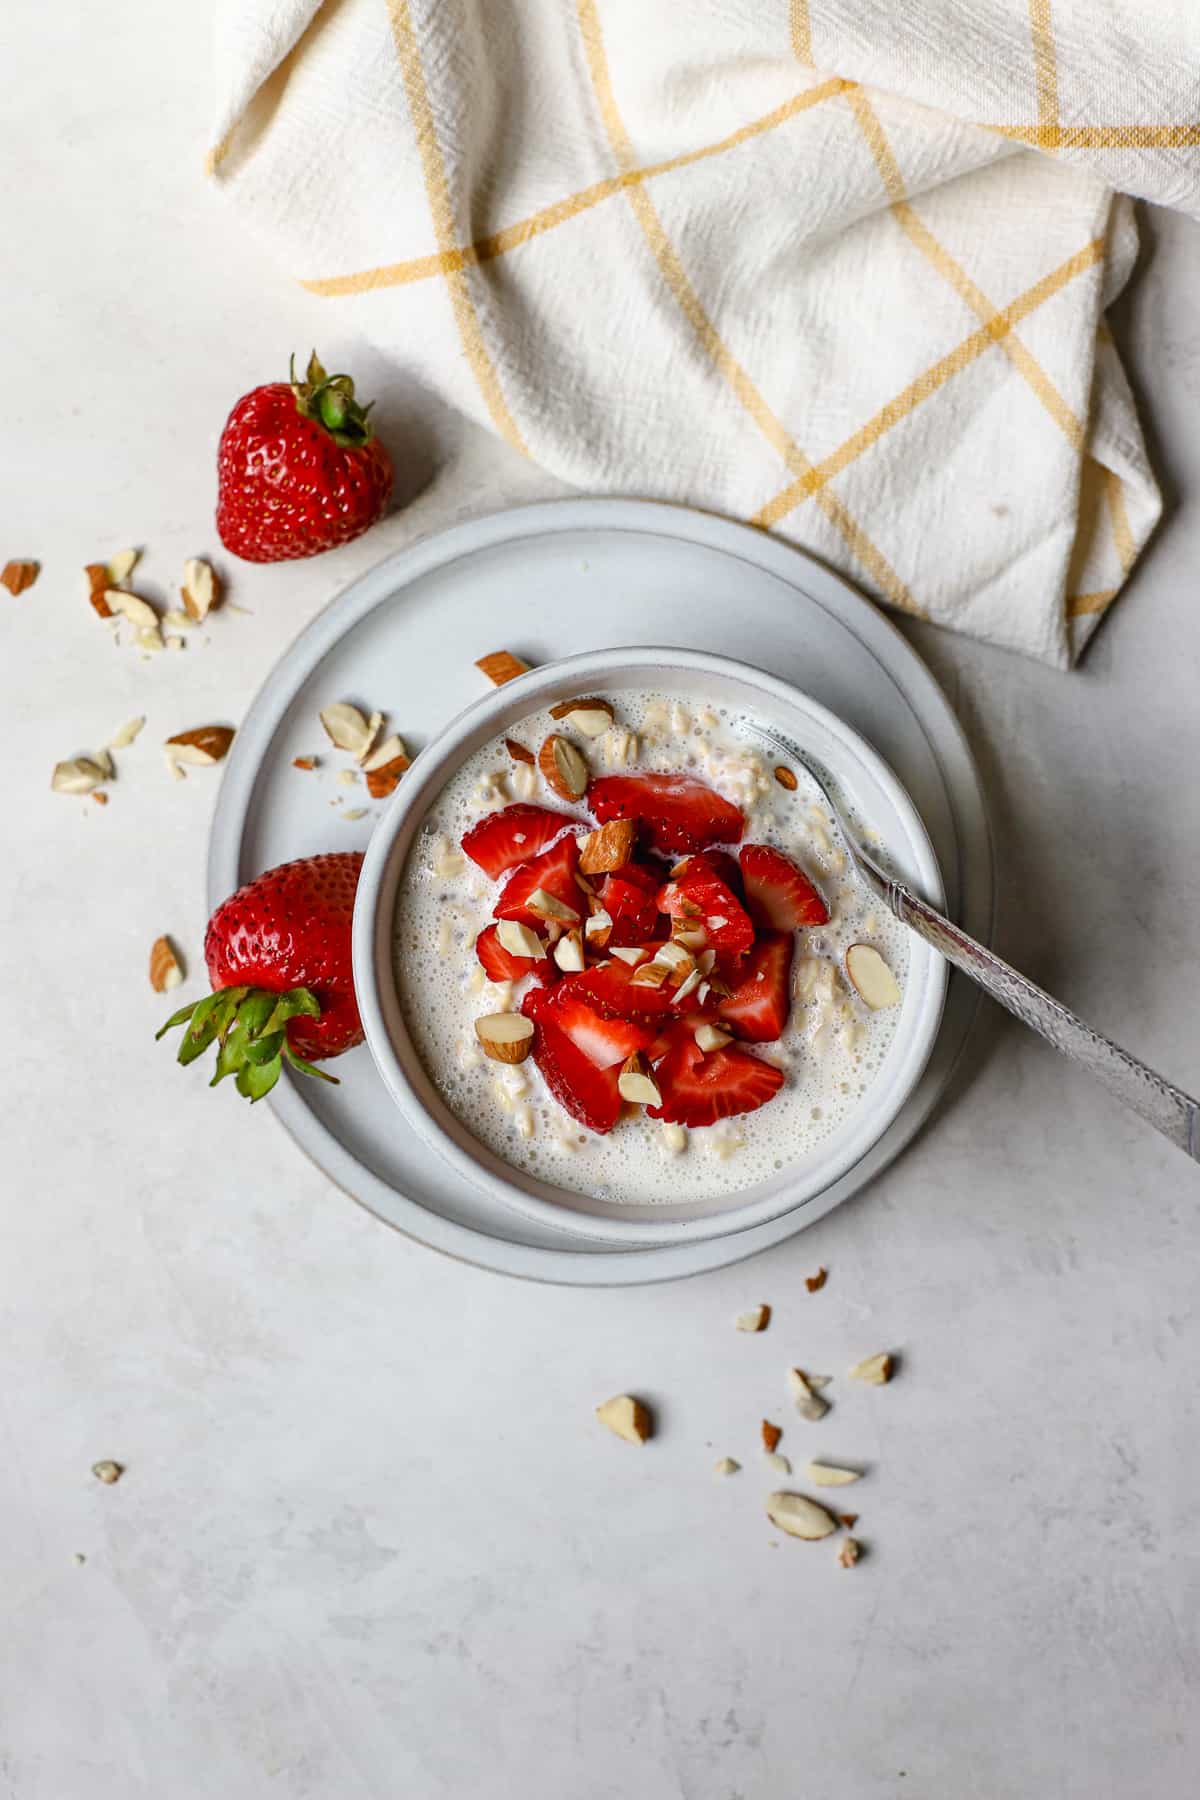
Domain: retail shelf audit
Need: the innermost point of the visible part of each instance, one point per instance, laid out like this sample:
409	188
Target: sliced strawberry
502	965
678	814
645	874
503	839
779	894
758	1007
604	1040
589	1094
553	870
717	862
632	909
699	1089
704	897
609	990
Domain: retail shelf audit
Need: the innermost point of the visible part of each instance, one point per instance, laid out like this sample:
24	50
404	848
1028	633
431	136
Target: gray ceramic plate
548	581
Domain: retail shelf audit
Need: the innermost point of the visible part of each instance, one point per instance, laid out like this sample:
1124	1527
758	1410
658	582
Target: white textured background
370	1542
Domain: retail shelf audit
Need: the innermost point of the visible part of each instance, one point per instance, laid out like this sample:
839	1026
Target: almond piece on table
563	768
98	584
771	1435
374	726
202	746
800	1518
18	575
871	977
78	775
726	1466
814	1283
166	970
307	763
392	747
592	717
125	734
875	1370
346	728
778	1463
757	1318
827	1475
505	1037
636	1082
385	776
519	752
809	1403
121	566
848	1552
108	1471
500	666
609	847
627	1418
201	591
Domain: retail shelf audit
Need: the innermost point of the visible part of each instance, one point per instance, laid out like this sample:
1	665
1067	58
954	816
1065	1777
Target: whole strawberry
278	955
299	469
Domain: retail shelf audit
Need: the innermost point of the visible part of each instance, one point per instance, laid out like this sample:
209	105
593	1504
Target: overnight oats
632	957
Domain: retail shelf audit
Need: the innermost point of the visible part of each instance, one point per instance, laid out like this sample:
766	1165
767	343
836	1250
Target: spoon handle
1159	1101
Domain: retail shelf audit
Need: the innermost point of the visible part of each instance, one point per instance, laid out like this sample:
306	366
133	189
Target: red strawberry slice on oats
703	897
609	989
502	965
589	1094
778	894
554	872
677	813
503	839
757	1009
632	908
699	1089
717	862
603	1040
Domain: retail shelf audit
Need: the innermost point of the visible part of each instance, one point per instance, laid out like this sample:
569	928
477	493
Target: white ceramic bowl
863	779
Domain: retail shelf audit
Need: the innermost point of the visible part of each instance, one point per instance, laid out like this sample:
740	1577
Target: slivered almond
383	780
505	1037
374	725
139	612
874	1370
563	768
519	752
545	905
203	745
121	566
125	734
627	1418
785	777
78	775
519	940
828	1475
568	953
757	1318
677	958
690	933
608	847
636	1082
871	976
771	1434
800	1518
201	591
346	728
166	970
501	666
387	752
711	1037
98	584
18	575
591	716
688	985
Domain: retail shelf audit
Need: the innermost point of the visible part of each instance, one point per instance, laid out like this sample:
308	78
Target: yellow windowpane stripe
801	31
511	237
1101	137
1080	606
1114	494
706	332
927	384
1045	63
442	213
952	271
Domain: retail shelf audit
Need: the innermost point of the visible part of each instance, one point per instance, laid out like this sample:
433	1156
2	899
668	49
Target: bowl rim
436	764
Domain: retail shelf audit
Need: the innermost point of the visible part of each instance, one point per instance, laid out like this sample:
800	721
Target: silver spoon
1157	1100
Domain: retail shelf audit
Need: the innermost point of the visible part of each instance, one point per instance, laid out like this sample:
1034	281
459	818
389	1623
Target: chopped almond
98	585
202	746
569	953
346	728
505	1037
78	775
201	591
875	1370
849	1520
627	1418
727	1466
814	1283
19	575
848	1552
563	768
799	1517
756	1319
545	905
384	780
592	717
520	752
609	847
501	666
166	970
308	763
828	1475
810	1404
771	1435
711	1037
636	1082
